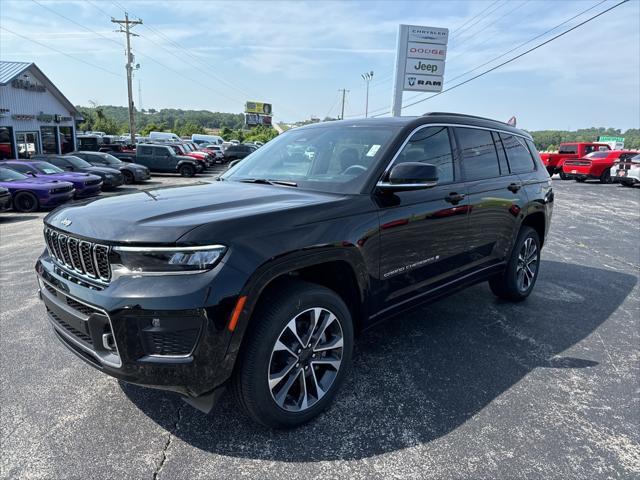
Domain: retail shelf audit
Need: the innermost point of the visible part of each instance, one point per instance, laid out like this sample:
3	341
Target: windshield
47	168
7	175
111	160
332	158
636	159
77	162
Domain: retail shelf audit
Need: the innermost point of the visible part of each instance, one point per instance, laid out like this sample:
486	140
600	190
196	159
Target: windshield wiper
266	181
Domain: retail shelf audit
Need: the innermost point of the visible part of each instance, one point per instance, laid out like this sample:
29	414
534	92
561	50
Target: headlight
169	259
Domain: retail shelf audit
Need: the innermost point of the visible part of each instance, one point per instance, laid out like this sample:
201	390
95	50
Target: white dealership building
35	117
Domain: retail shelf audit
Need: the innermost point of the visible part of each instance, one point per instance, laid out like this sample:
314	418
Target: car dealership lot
469	387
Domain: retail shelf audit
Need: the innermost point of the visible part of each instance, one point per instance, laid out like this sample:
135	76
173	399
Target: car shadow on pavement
420	375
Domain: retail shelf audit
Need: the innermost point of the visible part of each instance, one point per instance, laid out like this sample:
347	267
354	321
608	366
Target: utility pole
367	78
139	95
344	92
127	31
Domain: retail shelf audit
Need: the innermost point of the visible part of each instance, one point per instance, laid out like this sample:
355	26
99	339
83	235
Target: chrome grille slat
86	259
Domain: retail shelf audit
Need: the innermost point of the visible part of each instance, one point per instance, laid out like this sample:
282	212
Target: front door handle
514	187
454	198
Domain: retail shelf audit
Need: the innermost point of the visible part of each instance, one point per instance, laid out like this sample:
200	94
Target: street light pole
367	78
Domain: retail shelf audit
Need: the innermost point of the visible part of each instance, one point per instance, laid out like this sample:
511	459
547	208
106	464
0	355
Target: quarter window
480	159
430	145
568	149
518	154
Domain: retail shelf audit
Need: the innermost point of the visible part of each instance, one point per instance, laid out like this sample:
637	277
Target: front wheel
128	177
25	202
187	171
296	355
518	279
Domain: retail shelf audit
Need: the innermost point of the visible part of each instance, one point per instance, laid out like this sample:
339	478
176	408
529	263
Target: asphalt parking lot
470	387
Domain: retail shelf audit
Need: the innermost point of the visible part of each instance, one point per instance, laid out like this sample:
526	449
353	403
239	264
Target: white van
199	138
164	137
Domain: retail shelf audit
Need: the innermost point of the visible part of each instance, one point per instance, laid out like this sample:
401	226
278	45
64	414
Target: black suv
163	158
261	281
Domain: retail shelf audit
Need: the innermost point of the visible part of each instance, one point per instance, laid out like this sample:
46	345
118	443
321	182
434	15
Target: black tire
563	176
129	178
25	202
580	179
606	176
250	383
187	170
509	284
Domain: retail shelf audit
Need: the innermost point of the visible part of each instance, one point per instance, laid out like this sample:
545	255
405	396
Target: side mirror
411	176
31	172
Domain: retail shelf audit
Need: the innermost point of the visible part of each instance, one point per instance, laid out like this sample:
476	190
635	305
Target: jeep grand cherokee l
260	281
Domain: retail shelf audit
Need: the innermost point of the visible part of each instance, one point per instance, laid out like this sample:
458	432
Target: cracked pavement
470	387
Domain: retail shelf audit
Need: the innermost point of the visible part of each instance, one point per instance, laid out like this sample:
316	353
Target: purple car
30	193
86	185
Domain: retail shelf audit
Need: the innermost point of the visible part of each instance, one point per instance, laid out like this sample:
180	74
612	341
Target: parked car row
582	161
46	181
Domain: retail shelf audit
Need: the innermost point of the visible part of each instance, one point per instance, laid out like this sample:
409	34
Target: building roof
10	70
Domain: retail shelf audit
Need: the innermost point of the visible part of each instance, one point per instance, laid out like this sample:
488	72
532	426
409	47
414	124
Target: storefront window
6	143
66	139
27	143
49	139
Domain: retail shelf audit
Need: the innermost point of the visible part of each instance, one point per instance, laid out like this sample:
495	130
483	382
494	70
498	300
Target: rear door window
518	155
145	150
479	156
568	149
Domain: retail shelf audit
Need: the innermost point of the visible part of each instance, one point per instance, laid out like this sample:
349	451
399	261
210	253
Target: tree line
114	120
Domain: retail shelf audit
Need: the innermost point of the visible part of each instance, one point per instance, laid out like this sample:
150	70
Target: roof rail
451	114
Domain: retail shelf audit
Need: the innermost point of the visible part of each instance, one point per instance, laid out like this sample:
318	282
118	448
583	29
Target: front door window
27	143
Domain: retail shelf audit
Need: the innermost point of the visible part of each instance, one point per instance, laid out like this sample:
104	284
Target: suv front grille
88	259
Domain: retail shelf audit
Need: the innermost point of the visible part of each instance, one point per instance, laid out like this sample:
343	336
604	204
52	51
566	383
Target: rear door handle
454	197
514	187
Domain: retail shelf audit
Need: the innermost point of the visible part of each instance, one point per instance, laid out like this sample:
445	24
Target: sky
297	55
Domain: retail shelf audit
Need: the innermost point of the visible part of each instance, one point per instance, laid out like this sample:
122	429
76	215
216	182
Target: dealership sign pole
420	59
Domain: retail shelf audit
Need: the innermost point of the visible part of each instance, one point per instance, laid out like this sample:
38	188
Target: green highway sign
611	139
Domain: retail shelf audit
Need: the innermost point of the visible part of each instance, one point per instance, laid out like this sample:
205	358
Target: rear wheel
518	279
128	177
606	176
187	170
563	176
295	357
25	202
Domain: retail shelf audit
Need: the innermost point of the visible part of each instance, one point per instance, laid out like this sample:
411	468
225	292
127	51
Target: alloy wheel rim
305	359
527	268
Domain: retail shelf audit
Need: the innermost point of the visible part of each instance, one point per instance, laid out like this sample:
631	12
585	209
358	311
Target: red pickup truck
569	151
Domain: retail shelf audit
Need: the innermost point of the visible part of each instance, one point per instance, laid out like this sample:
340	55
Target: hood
37	182
135	166
164	215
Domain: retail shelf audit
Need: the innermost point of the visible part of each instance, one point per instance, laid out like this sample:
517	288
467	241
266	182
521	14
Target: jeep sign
420	60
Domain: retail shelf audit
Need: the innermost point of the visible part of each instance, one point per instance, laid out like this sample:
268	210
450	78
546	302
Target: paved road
470	387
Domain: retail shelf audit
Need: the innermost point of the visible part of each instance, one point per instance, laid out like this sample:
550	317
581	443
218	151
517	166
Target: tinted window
58	162
518	155
145	150
478	152
430	145
504	166
568	149
597	155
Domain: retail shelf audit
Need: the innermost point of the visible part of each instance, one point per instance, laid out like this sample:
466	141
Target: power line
463	27
519	55
466	39
62	53
474	17
518	47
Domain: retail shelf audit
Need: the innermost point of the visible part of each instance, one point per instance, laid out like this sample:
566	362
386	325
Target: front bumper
141	175
160	331
5	202
112	182
89	191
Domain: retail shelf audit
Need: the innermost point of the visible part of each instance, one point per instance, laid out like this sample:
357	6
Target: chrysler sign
420	61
